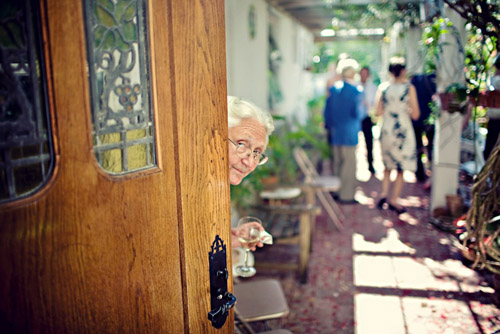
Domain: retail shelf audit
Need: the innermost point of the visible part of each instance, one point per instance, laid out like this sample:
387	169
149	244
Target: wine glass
249	236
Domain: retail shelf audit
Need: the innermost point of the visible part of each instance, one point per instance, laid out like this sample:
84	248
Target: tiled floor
387	274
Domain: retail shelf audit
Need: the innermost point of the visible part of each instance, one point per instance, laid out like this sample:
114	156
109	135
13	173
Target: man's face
253	135
364	74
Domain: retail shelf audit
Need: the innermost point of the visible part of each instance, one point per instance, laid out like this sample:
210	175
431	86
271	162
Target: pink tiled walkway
386	274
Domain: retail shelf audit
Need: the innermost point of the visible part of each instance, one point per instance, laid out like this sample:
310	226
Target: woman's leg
386	183
396	190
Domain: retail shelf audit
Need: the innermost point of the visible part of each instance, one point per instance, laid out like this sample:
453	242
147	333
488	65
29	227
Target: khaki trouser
344	166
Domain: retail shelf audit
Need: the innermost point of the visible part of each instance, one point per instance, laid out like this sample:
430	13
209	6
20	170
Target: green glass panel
108	41
106	4
130	12
105	18
129	32
121	7
99	35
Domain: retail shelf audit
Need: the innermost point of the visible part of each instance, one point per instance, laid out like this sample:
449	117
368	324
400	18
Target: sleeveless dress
397	137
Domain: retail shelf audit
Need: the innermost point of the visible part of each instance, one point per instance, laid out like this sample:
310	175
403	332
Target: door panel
94	253
198	27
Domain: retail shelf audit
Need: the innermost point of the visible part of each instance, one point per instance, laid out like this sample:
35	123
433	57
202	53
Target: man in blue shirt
343	113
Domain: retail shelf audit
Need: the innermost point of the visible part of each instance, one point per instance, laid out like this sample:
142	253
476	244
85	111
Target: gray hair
239	109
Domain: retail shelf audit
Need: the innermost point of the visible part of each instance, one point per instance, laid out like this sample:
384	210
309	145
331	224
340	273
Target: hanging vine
483	217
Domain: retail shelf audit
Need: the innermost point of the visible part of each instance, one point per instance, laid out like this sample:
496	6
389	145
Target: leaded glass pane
117	45
26	150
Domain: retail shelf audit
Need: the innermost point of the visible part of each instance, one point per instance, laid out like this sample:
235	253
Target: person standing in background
493	113
425	84
369	90
398	105
343	112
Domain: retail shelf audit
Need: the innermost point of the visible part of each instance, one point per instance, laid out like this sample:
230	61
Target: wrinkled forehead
250	130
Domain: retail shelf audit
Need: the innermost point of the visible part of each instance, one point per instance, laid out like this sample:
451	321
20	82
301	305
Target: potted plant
455	98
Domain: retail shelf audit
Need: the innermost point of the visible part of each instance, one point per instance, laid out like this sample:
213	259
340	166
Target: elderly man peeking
248	136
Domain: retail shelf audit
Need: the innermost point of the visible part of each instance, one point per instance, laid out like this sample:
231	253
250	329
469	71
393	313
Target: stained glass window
26	149
117	44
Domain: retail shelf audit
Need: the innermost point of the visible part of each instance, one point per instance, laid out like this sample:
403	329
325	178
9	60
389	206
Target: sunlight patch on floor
412	295
390	243
407	272
378	314
412	315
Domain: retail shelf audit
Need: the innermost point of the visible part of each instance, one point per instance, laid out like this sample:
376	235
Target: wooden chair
319	186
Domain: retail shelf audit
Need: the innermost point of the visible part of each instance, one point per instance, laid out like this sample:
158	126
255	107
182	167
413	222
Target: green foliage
380	15
458	90
366	53
326	56
479	52
431	41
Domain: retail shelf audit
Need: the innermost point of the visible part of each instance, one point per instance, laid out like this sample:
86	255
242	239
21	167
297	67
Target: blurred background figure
425	84
493	113
397	103
369	92
343	112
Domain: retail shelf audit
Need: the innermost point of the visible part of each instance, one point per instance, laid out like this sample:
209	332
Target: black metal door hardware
221	299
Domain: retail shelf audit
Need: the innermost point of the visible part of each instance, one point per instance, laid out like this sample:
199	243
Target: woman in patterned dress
397	103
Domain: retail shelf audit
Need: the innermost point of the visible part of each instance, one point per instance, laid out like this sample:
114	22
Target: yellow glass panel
136	134
111	160
110	138
137	156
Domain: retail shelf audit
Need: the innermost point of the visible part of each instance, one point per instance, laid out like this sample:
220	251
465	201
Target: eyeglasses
244	152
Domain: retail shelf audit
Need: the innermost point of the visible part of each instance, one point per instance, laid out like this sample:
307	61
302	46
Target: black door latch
221	300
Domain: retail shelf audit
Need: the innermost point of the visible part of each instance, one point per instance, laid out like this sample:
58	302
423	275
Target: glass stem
246	258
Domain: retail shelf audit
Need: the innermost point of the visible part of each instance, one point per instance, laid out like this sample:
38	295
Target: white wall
296	45
247	59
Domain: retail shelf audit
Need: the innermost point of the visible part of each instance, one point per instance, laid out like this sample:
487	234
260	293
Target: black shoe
371	169
348	201
380	204
421	178
335	196
398	210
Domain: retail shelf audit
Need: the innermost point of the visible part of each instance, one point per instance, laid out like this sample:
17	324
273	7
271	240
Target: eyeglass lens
244	152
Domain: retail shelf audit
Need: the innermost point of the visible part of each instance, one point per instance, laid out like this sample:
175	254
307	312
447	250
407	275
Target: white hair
347	67
239	109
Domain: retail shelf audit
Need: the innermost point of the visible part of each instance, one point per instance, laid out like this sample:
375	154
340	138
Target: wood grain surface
100	254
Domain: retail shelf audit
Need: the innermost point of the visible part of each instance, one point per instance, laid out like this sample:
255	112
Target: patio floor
386	274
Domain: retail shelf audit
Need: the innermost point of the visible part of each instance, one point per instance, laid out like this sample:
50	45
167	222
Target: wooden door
97	253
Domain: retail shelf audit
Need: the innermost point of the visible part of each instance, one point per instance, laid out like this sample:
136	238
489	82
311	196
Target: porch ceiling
316	15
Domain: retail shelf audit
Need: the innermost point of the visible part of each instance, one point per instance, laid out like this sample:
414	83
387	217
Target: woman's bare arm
380	104
413	104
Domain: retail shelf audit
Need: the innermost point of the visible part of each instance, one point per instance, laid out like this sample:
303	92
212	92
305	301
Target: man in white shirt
370	90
